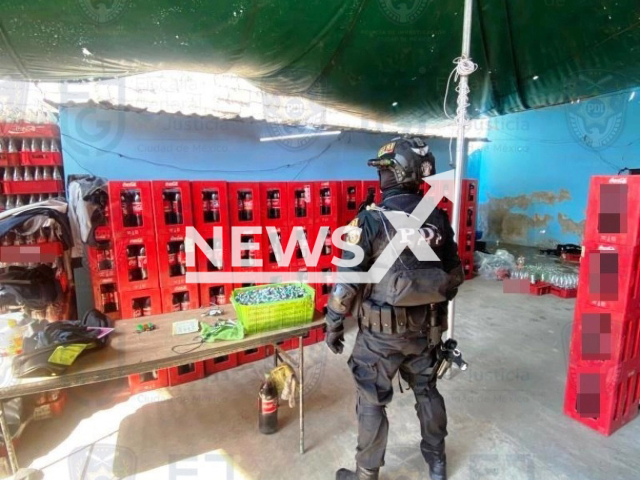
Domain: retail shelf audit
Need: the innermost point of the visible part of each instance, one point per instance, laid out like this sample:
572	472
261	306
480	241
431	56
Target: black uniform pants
375	360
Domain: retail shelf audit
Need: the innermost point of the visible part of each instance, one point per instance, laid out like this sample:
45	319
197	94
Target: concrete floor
505	415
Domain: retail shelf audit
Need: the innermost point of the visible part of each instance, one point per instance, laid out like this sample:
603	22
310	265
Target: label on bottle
172	258
268	406
136	207
142	261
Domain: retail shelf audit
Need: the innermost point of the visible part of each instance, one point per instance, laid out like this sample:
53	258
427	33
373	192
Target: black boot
359	474
437	467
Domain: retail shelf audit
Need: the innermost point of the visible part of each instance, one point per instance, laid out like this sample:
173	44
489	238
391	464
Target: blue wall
126	145
534	173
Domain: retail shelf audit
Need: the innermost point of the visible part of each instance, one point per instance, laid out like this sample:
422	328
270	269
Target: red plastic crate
564	292
269	261
102	260
106	297
613	210
604	399
172	206
610	277
172	260
323	290
9	159
33	186
174	300
288	344
141	303
467	265
45	159
186	373
29	130
210	201
539	288
245	235
605	339
275	201
350	194
148	381
329	251
221	250
300	203
220	364
217	294
467	243
51	409
326	202
244	203
252	355
321	333
370	187
102	233
133	217
131	265
469	191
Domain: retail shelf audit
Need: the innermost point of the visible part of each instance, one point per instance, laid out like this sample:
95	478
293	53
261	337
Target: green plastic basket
273	316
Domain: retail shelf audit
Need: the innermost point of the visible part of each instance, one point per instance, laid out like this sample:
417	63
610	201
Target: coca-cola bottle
37	174
19	201
326	250
207	214
268	407
36	145
214	207
17	174
166	206
177	208
142	263
241	212
220	297
146	307
136	208
56	174
182	260
7	175
185	301
46	173
247	206
325	206
26	145
137	308
132	264
175	302
11	202
275	204
28	176
351	198
301	204
172	259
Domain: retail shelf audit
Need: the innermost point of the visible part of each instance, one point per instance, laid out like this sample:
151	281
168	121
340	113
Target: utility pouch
410	288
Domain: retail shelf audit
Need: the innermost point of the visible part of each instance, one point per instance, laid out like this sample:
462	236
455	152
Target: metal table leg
8	440
301	389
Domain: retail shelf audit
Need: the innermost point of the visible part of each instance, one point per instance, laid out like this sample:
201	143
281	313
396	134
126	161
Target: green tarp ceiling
386	59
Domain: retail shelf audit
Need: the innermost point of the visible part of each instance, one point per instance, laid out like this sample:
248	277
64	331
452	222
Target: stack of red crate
467	225
603	382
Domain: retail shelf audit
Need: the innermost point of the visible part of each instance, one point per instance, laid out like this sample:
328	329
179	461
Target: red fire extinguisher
268	407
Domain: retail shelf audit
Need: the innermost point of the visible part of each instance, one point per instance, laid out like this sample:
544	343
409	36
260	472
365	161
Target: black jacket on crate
401	318
33	288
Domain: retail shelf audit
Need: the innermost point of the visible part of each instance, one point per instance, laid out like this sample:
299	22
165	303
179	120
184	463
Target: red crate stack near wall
370	192
326	202
274	202
603	381
467	224
300	203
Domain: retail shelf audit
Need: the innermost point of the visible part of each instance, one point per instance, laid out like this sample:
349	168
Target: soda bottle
327	244
46	173
28	176
206	206
52	235
56	174
6	240
248	206
275	204
19	201
268	407
301	204
166	206
29	240
214	207
3	203
175	302
182	260
42	197
54	146
351	198
251	253
220	297
172	259
2	147
132	264
46	146
146	307
17	174
185	301
17	239
241	212
37	175
177	208
137	308
26	145
142	263
125	205
11	146
472	192
36	146
269	203
325	209
11	202
41	238
7	175
469	217
136	207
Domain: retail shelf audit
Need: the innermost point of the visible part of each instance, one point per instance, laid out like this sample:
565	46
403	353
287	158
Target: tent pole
460	143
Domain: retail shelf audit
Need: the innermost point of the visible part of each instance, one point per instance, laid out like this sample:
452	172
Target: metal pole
301	378
8	440
460	143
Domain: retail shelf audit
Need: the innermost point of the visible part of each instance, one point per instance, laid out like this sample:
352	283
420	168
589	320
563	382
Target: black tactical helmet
403	163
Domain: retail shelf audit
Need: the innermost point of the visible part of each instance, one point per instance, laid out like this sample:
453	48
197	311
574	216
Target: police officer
402	317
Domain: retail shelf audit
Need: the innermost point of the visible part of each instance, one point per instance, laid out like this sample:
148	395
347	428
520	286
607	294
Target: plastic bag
495	267
222	330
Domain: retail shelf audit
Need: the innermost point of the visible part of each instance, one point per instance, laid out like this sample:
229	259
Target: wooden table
130	353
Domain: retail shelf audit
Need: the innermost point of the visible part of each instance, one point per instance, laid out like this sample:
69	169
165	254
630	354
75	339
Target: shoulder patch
353	232
387	149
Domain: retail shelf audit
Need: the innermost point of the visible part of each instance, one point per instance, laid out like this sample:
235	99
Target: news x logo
411	232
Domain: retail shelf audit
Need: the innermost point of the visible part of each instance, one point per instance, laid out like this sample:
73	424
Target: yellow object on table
67	354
